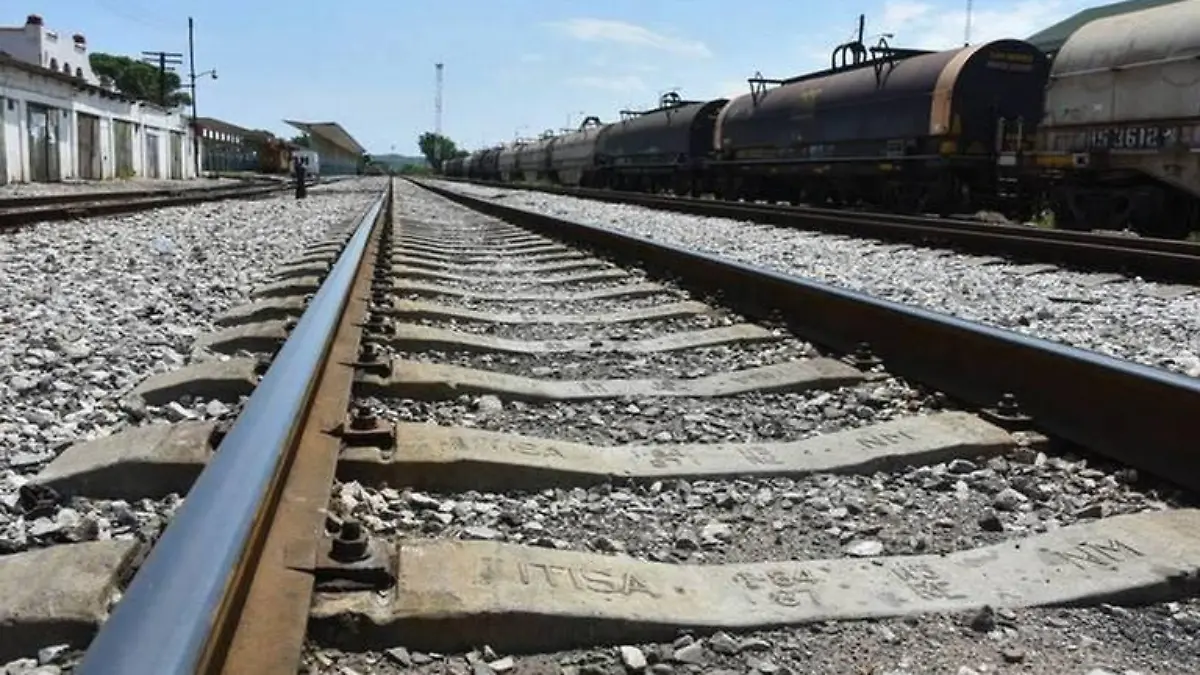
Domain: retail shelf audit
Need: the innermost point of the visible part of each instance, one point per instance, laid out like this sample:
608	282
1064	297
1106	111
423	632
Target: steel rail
26	201
14	218
1161	259
175	608
1146	417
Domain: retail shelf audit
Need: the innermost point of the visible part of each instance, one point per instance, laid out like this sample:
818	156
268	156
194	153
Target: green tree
138	79
437	149
302	140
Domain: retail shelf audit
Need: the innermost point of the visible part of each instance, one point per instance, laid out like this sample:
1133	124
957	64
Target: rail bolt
370	353
863	358
378	324
351	542
219	432
1007	414
363	418
261	365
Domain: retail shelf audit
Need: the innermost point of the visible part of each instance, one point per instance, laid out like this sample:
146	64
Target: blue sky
512	66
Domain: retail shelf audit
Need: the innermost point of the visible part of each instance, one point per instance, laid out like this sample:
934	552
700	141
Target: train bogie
1120	142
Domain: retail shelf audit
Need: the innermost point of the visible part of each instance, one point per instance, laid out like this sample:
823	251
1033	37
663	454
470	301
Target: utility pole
165	61
192	80
192	77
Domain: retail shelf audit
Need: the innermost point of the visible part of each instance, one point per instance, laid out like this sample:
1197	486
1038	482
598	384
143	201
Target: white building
57	122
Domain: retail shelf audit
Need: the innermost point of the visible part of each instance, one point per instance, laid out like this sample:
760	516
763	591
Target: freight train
1105	134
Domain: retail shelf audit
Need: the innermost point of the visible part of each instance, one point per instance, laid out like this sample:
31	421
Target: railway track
1161	259
18	211
480	449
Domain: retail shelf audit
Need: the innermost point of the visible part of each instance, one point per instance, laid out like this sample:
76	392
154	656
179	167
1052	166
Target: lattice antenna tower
967	30
437	99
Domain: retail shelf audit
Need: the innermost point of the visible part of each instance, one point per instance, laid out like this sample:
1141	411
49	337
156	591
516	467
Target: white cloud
617	84
730	89
621	32
903	11
940	24
925	25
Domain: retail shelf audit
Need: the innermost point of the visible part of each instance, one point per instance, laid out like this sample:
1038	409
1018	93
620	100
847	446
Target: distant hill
399	161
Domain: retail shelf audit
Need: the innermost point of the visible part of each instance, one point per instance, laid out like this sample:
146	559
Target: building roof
221	125
332	132
7	59
1052	38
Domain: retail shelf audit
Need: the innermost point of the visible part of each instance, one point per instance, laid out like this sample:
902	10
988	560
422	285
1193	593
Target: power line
129	11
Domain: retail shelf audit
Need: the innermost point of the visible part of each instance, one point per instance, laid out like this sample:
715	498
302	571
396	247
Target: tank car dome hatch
1131	67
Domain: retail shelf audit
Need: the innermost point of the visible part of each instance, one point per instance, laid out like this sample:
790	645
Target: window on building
79	73
66	68
53	63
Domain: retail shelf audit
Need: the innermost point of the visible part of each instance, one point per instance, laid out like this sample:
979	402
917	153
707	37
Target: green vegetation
415	170
138	79
438	148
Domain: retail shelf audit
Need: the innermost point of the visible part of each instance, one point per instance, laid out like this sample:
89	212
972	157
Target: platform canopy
331	132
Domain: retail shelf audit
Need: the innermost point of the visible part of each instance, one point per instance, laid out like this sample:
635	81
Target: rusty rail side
269	635
180	612
1159	259
1145	417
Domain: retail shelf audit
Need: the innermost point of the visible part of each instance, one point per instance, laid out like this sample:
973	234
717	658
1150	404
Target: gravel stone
633	330
130	185
92	308
601	306
632	658
1115	318
682	364
957	505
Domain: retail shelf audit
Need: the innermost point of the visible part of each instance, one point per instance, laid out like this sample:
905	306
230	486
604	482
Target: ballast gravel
688	363
1117	318
956	505
632	330
91	308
